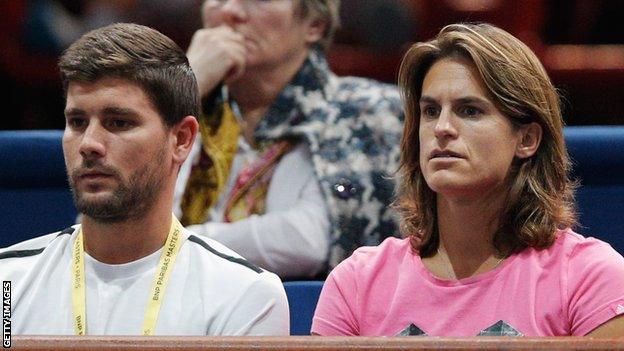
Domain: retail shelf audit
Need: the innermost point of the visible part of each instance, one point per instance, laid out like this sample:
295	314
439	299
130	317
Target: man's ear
531	138
183	136
315	30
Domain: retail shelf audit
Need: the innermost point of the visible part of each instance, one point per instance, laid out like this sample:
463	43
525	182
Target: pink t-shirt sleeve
335	311
595	286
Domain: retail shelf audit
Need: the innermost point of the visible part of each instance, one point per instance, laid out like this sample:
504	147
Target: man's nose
93	143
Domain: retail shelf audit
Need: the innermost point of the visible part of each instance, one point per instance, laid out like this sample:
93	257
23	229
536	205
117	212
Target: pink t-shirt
568	289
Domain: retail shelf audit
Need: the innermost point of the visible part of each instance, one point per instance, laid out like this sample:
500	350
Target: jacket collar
294	108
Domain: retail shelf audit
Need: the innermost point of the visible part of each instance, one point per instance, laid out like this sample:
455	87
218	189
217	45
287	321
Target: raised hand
216	55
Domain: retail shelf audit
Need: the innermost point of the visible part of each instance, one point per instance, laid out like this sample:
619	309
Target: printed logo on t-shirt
411	330
500	328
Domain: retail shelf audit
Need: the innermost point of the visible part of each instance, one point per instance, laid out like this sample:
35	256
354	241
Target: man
298	176
131	268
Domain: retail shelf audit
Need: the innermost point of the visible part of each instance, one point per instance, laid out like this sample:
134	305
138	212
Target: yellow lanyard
167	259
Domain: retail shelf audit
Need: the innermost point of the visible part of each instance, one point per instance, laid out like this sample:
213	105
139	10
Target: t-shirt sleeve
261	309
335	313
595	286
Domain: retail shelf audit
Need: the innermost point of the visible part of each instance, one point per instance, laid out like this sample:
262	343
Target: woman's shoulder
390	254
575	244
575	250
592	286
390	245
569	252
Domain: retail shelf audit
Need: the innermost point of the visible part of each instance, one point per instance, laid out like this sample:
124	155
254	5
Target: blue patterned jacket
353	128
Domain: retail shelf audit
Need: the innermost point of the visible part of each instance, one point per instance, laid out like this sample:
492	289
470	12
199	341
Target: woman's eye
429	111
471	111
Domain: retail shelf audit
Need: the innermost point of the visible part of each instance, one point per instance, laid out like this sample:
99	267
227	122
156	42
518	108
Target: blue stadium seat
598	156
302	298
36	200
34	192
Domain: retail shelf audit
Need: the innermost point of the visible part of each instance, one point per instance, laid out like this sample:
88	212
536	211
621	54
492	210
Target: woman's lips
437	153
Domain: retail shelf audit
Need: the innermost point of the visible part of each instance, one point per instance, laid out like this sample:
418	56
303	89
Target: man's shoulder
226	261
34	246
220	254
216	263
33	255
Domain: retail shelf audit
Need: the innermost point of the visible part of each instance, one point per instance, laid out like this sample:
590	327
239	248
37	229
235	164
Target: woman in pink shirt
487	208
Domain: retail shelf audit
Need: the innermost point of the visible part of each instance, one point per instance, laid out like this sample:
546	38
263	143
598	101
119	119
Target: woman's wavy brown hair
540	198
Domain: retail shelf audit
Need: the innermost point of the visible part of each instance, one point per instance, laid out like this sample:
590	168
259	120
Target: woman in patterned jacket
292	169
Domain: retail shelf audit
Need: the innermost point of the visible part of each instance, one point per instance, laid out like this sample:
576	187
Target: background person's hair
324	10
141	55
541	196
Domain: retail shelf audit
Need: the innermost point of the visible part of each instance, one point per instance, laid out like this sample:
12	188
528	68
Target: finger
239	59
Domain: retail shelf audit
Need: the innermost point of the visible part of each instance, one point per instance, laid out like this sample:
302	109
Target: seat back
597	153
302	298
36	199
34	193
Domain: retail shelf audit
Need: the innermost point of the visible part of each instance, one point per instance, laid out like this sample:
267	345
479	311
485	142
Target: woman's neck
466	228
259	87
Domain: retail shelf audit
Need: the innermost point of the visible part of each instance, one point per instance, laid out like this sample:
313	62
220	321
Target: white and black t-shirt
211	291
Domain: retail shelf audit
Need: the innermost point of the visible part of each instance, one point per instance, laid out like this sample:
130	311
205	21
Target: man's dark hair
141	55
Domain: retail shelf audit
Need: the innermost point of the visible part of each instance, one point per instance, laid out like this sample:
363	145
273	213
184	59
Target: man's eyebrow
119	111
73	112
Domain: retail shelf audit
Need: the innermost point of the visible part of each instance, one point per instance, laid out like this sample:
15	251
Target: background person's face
115	149
273	34
466	144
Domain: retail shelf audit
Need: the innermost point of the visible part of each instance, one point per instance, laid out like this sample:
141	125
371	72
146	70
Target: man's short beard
129	201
